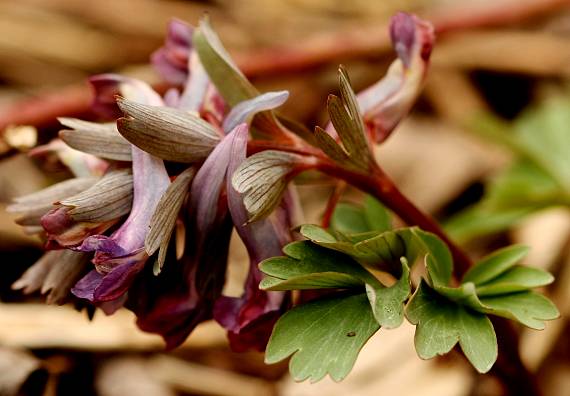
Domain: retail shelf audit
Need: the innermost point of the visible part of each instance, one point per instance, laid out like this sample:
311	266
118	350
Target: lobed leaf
517	278
442	323
388	302
495	264
309	266
529	308
324	337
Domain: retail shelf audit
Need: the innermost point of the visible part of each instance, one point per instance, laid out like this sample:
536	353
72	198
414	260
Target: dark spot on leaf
350	334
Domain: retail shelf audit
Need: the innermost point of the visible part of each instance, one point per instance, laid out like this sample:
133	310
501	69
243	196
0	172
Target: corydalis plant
211	155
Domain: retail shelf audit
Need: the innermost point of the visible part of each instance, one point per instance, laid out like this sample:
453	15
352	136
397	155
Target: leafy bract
442	323
324	337
347	121
497	286
515	279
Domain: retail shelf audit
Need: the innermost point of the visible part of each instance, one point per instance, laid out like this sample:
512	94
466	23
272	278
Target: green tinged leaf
309	266
538	178
437	256
481	220
349	218
499	287
388	302
543	133
388	247
442	323
529	308
228	79
495	264
324	337
516	279
378	217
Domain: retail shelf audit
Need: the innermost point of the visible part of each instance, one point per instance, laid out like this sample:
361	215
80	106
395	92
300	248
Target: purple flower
385	103
193	285
119	257
250	318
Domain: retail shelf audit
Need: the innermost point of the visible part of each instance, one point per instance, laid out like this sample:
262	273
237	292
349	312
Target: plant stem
381	186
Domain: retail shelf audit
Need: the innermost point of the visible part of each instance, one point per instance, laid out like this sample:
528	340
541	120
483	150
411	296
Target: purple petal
171	60
173	303
248	108
250	318
196	86
62	230
117	282
107	86
208	184
101	243
121	256
85	287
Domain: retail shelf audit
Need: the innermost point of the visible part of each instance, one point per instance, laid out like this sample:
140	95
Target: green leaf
529	308
538	178
495	264
388	302
324	337
377	215
309	266
349	218
442	323
543	132
388	247
516	279
228	79
481	220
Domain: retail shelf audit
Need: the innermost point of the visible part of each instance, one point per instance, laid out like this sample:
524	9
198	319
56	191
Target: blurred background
486	150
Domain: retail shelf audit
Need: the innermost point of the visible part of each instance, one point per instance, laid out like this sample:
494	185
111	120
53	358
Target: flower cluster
160	186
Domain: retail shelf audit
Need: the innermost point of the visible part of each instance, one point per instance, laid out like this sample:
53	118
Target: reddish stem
332	202
378	184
